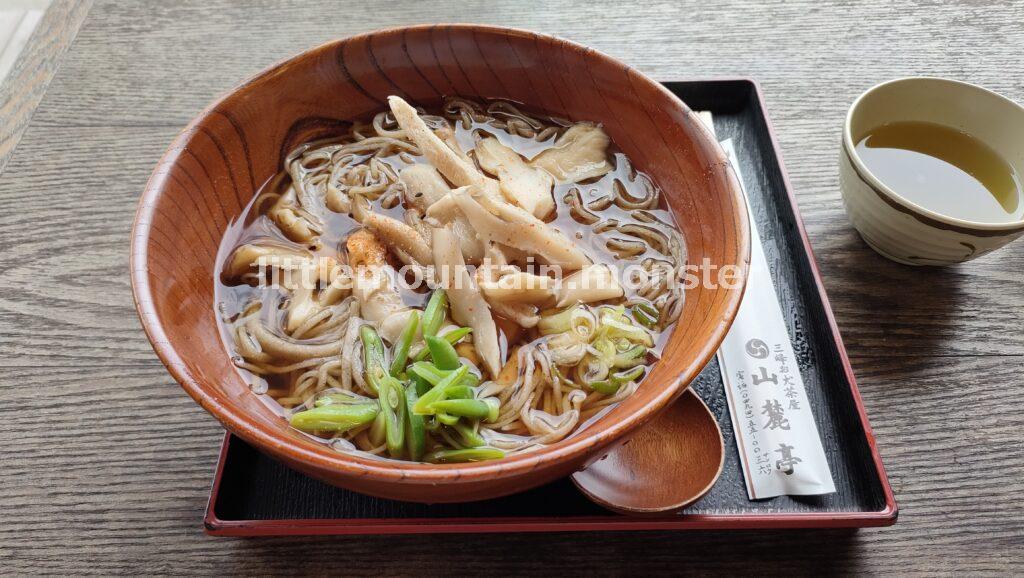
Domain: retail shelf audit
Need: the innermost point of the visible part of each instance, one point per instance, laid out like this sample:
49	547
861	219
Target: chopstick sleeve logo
757	349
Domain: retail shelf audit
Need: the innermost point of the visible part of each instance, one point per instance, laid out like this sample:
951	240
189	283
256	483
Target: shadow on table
887	307
639	553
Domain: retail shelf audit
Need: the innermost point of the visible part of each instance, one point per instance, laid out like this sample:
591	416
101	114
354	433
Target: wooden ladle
669	464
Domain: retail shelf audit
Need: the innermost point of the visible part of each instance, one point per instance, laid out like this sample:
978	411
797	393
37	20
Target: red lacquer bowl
214	167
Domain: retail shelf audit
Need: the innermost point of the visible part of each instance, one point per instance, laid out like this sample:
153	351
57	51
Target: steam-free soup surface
451	285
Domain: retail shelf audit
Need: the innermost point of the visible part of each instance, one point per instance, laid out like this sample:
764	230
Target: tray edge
887	516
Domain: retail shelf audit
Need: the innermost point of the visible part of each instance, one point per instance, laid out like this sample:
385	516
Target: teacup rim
849	149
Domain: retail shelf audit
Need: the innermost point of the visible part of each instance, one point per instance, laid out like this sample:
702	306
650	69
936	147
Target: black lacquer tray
255	495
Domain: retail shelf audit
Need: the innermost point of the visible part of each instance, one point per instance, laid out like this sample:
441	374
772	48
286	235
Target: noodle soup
450	287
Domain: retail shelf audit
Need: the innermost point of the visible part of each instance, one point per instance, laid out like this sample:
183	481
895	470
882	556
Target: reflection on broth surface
944	170
450	287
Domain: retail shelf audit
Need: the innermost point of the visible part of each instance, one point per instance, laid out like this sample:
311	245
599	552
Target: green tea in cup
943	170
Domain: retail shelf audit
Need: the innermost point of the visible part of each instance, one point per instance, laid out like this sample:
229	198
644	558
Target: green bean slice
435	312
447	419
437	393
430	373
393	406
373	357
335	417
415	429
459	392
468	436
454	336
611	385
378	429
469	408
464	455
442	353
341	398
405	340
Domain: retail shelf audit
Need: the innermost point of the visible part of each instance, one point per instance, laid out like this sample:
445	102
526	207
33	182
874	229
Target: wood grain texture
938	352
684	444
26	83
214	168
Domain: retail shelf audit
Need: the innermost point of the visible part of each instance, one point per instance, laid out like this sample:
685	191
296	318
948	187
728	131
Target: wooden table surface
106	464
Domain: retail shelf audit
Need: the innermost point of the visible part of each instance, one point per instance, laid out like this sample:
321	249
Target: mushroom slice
245	261
445	209
423	186
467	303
373	285
592	283
447	136
500	222
511	293
522	314
452	166
379	300
514	286
427	191
579	154
378	297
365	249
301	306
302	282
521	184
297	224
397	235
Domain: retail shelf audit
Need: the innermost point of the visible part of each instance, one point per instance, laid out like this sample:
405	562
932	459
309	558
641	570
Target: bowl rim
849	147
376	469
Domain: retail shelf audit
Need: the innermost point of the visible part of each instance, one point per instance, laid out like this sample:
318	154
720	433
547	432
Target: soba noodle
524	230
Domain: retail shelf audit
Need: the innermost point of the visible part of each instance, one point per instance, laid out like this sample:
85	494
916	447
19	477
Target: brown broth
253	224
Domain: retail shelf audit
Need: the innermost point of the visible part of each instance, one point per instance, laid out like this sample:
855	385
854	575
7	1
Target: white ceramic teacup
892	224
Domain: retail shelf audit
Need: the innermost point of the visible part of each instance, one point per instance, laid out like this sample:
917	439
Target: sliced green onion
559	322
630	358
613	328
628	376
644	318
605	386
649	308
646	314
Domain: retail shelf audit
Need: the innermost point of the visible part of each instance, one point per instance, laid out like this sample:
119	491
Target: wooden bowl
213	168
